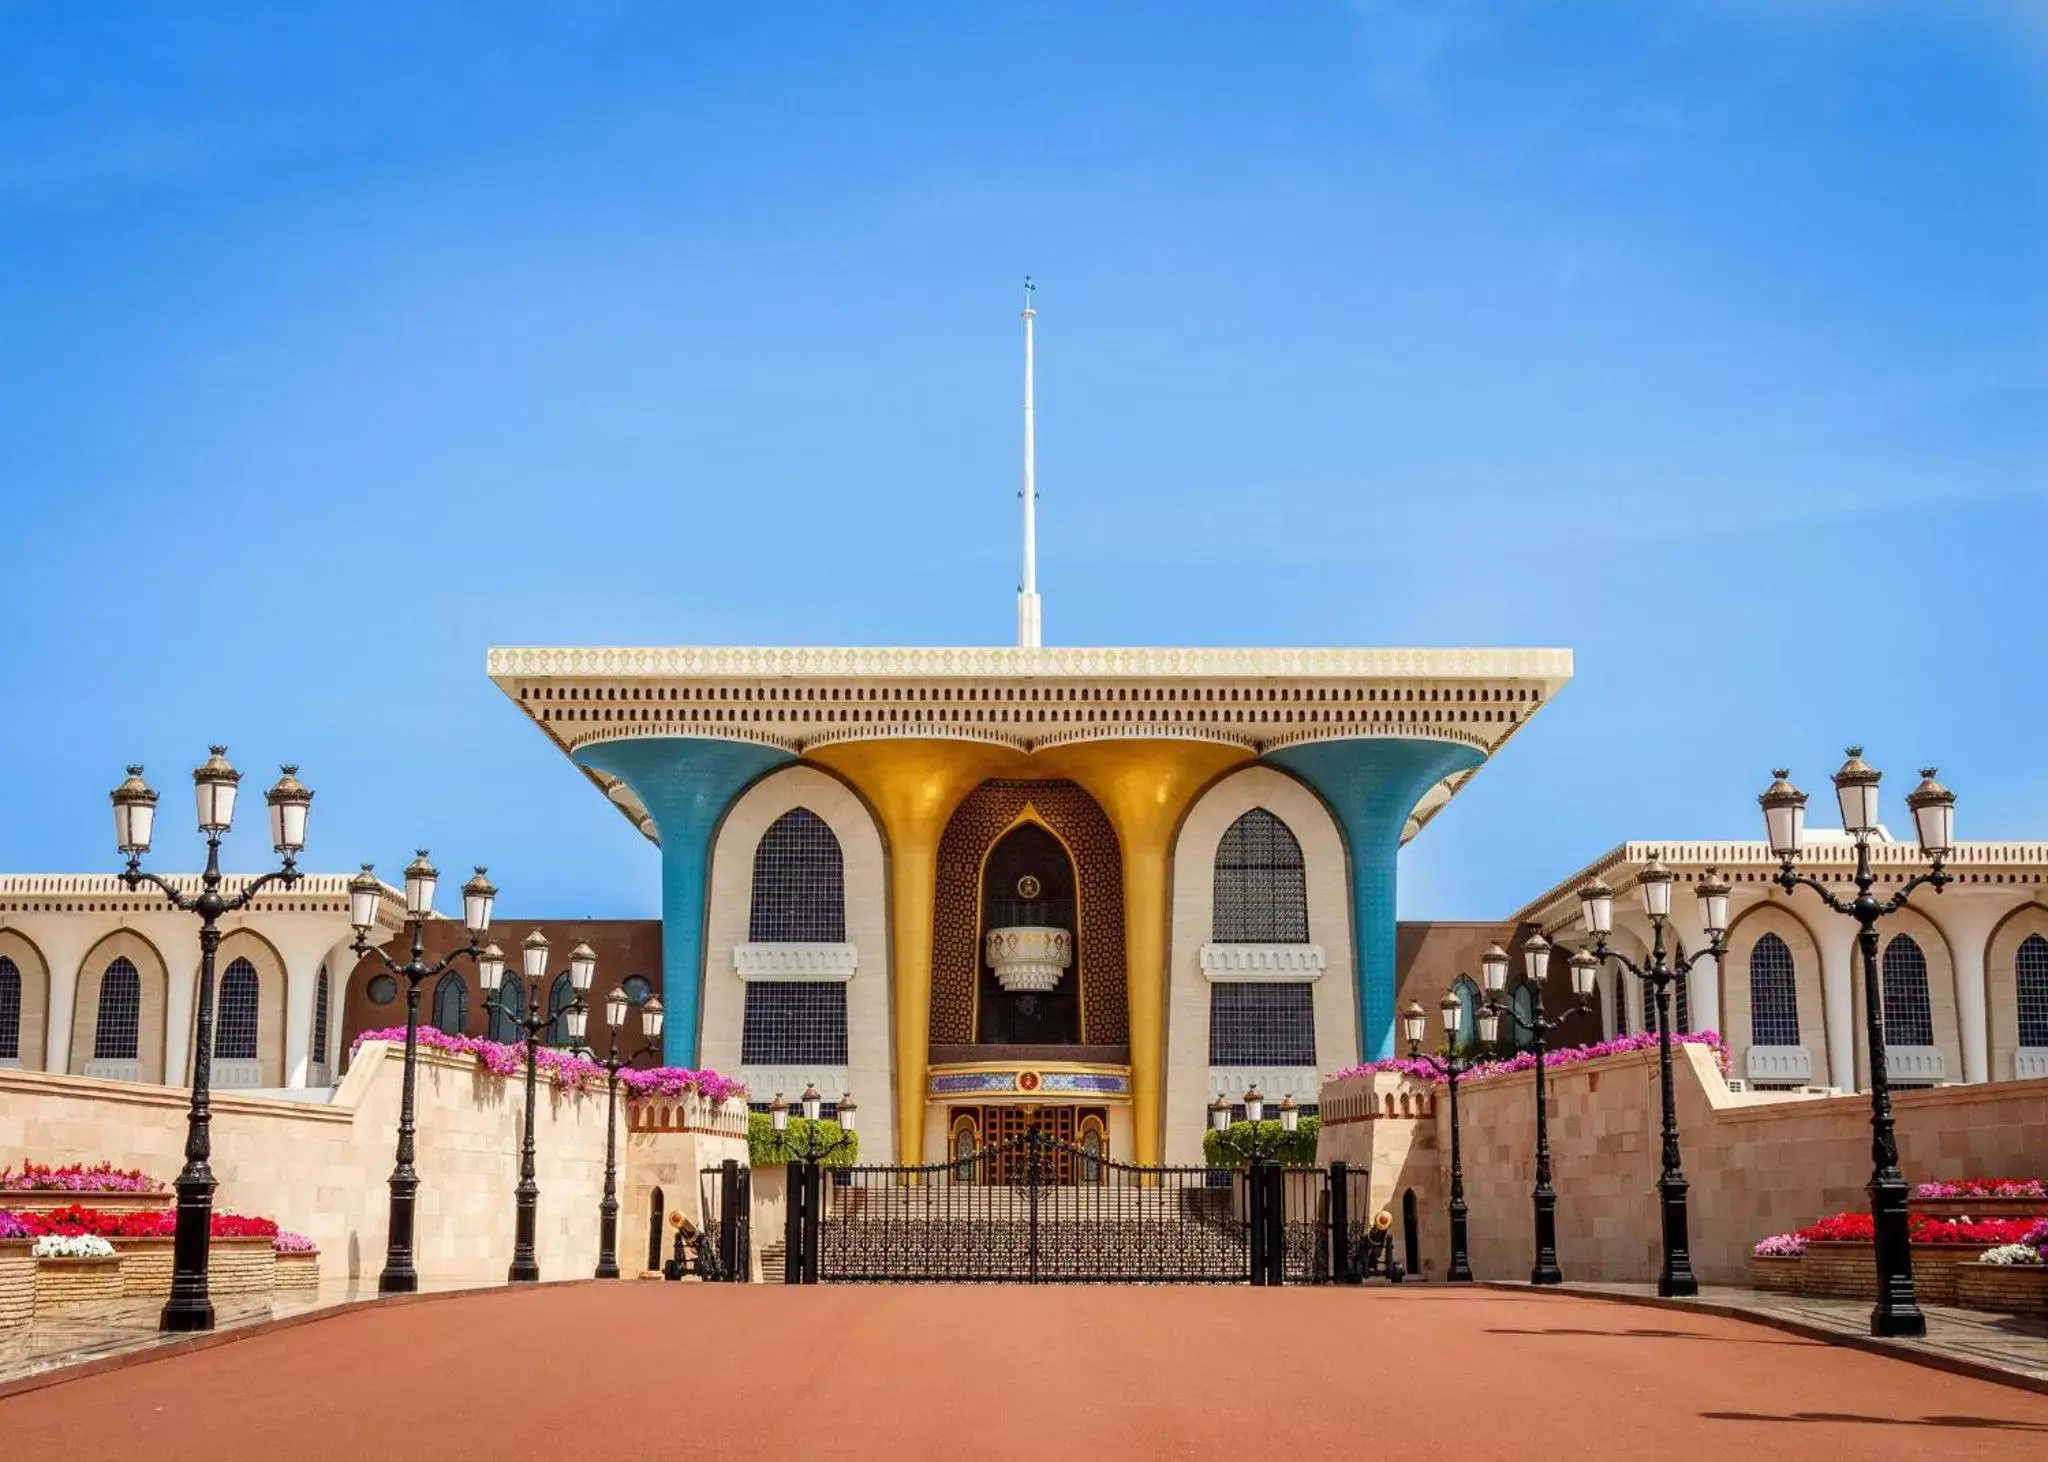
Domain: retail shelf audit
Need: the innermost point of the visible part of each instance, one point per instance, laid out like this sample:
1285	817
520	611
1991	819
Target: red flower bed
157	1223
1859	1228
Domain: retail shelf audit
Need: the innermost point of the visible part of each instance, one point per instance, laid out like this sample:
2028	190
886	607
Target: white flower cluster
73	1246
2011	1254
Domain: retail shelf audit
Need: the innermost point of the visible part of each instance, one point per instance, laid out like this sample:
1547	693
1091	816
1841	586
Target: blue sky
338	343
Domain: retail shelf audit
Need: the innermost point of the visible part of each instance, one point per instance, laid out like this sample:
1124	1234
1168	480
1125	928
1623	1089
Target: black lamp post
615	1007
532	1021
1596	901
214	784
1268	1223
1450	1063
364	894
804	1179
1493	969
1933	806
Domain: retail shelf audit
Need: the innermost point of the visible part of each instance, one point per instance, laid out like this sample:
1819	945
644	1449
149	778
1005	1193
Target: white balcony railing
1779	1063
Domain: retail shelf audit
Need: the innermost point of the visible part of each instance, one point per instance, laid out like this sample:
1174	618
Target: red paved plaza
676	1371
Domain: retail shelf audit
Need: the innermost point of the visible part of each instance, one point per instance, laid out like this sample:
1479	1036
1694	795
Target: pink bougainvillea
104	1177
566	1069
1984	1188
1423	1069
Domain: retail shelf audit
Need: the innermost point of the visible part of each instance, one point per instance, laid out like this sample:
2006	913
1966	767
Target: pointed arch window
1618	988
1908	1015
10	1010
561	995
1260	892
799	883
1773	994
1524	1017
511	1002
451	1005
2031	968
320	998
234	1031
117	1032
1468	1009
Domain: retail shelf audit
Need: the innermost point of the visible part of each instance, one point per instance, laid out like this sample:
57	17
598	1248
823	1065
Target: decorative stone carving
1029	957
1248	962
2031	1061
1779	1063
1914	1063
794	961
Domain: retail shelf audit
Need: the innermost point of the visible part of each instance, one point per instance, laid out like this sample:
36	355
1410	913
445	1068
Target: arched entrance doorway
1027	885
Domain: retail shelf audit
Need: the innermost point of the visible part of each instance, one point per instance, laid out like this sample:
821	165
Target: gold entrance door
1002	1132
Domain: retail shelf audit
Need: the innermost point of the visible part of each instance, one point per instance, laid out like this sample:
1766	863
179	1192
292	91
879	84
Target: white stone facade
1969	937
64	931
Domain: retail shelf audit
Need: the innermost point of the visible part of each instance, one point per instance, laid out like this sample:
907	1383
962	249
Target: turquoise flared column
686	783
1372	784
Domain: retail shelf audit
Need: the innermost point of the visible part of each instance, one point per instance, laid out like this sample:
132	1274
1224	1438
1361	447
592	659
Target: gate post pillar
793	1223
1340	1224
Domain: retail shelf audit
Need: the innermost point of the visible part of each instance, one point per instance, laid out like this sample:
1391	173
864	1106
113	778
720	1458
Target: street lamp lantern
1897	1311
134	814
421	878
615	1008
190	1305
812	1101
365	894
582	968
1452	1011
1290	1115
1412	1022
1536	959
1655	883
1488	1024
1219	1115
650	1017
1856	792
213	787
1254	1105
1493	969
1596	902
1712	892
778	1113
289	802
1934	815
1784	808
490	968
1585	975
533	956
576	1018
477	897
848	1110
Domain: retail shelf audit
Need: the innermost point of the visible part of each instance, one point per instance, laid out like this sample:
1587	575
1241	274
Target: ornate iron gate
1033	1209
727	1242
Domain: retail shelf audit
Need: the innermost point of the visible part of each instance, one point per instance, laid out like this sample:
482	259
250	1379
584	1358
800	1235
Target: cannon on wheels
1374	1254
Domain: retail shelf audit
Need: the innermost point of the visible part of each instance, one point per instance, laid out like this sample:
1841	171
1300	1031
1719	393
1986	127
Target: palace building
957	882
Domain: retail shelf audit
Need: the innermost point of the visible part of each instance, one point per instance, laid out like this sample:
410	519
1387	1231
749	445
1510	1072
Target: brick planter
1979	1207
1777	1275
17	1282
2003	1289
41	1201
62	1282
298	1271
233	1266
1839	1271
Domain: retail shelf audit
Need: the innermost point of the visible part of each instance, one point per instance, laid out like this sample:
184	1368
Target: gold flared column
913	787
1145	787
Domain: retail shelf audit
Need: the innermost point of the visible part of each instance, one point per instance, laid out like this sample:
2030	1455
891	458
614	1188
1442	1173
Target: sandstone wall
321	1168
1758	1163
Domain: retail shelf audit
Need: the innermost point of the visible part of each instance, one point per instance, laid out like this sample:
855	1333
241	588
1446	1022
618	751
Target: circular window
1027	887
637	989
383	990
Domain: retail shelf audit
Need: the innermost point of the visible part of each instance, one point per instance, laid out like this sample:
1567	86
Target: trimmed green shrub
768	1148
1226	1150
